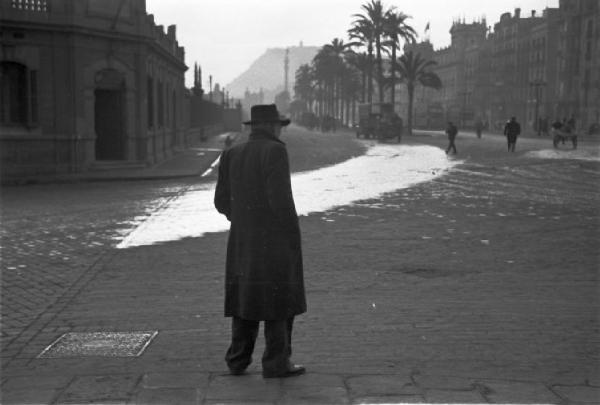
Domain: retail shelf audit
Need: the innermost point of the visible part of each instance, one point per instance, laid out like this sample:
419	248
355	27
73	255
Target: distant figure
398	126
228	141
543	126
264	273
451	130
512	129
556	125
478	127
571	123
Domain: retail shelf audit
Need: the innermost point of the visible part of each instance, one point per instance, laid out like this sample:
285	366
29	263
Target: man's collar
262	134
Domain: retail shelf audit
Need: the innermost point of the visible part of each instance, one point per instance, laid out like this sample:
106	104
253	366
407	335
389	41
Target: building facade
85	82
536	67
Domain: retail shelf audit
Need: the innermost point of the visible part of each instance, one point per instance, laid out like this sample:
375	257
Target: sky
225	36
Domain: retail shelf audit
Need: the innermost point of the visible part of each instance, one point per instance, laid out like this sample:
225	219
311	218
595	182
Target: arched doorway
109	115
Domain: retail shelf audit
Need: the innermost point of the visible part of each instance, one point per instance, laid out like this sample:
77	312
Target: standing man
478	127
512	129
451	130
264	274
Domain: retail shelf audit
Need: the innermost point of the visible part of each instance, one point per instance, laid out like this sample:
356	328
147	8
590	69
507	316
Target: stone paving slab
579	394
99	389
250	387
499	392
170	396
175	380
454	397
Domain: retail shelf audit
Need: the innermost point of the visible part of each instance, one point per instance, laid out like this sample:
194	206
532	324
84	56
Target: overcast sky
226	36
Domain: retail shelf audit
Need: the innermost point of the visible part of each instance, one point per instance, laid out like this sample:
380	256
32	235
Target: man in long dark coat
264	275
512	129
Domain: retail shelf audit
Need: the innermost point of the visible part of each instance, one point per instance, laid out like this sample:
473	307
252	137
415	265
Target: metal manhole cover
105	344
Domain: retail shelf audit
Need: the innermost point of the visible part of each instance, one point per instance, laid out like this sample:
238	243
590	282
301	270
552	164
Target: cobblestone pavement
51	234
478	287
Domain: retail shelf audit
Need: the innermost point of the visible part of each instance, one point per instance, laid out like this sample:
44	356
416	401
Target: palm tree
324	67
352	89
303	89
374	17
336	52
415	70
362	34
361	62
395	28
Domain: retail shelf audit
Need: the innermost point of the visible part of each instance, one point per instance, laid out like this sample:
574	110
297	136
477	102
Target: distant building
579	62
85	82
533	67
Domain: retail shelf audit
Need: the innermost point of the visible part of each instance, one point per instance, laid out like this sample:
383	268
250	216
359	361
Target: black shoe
292	371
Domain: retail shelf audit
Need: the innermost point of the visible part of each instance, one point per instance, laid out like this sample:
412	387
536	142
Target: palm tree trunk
370	74
379	70
393	77
411	93
364	86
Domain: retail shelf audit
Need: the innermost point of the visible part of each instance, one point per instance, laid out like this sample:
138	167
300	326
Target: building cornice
71	29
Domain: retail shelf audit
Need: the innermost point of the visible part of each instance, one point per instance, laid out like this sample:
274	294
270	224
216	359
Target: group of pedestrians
512	129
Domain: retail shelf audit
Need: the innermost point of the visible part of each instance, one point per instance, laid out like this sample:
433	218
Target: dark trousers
451	145
278	345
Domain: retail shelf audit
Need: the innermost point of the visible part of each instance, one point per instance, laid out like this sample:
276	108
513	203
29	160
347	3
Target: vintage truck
378	121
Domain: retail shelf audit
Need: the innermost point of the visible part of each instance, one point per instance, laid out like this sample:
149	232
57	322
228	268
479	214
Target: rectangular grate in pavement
103	344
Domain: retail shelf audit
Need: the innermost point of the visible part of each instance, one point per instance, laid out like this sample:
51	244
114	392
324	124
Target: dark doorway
109	124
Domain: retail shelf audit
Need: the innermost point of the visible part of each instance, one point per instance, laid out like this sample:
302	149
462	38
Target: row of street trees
343	73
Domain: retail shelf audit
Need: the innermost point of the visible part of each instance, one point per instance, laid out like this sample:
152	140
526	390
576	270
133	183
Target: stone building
458	66
578	61
532	67
86	82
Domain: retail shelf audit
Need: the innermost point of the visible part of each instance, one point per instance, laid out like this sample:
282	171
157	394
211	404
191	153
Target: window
161	106
18	94
30	5
150	96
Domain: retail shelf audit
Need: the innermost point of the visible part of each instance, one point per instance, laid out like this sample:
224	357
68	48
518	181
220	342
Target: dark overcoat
512	129
264	273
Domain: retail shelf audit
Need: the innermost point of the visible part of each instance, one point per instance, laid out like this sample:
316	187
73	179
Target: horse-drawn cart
561	137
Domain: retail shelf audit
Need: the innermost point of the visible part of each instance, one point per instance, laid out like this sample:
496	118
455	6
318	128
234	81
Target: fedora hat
263	113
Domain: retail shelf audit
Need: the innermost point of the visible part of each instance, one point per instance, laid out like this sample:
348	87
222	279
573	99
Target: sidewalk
466	289
190	162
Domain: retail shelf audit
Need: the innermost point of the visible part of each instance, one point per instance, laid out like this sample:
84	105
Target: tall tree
415	70
337	51
396	29
374	16
361	62
303	87
362	36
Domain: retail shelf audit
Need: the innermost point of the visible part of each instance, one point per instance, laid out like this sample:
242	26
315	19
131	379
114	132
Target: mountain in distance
267	72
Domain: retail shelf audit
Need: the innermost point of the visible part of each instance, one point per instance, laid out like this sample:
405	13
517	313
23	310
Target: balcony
40	6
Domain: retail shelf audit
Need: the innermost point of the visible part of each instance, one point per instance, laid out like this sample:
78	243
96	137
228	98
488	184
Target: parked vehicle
378	121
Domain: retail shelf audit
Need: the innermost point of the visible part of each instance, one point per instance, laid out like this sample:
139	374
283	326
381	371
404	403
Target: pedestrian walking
543	130
264	273
451	130
572	123
512	129
478	127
